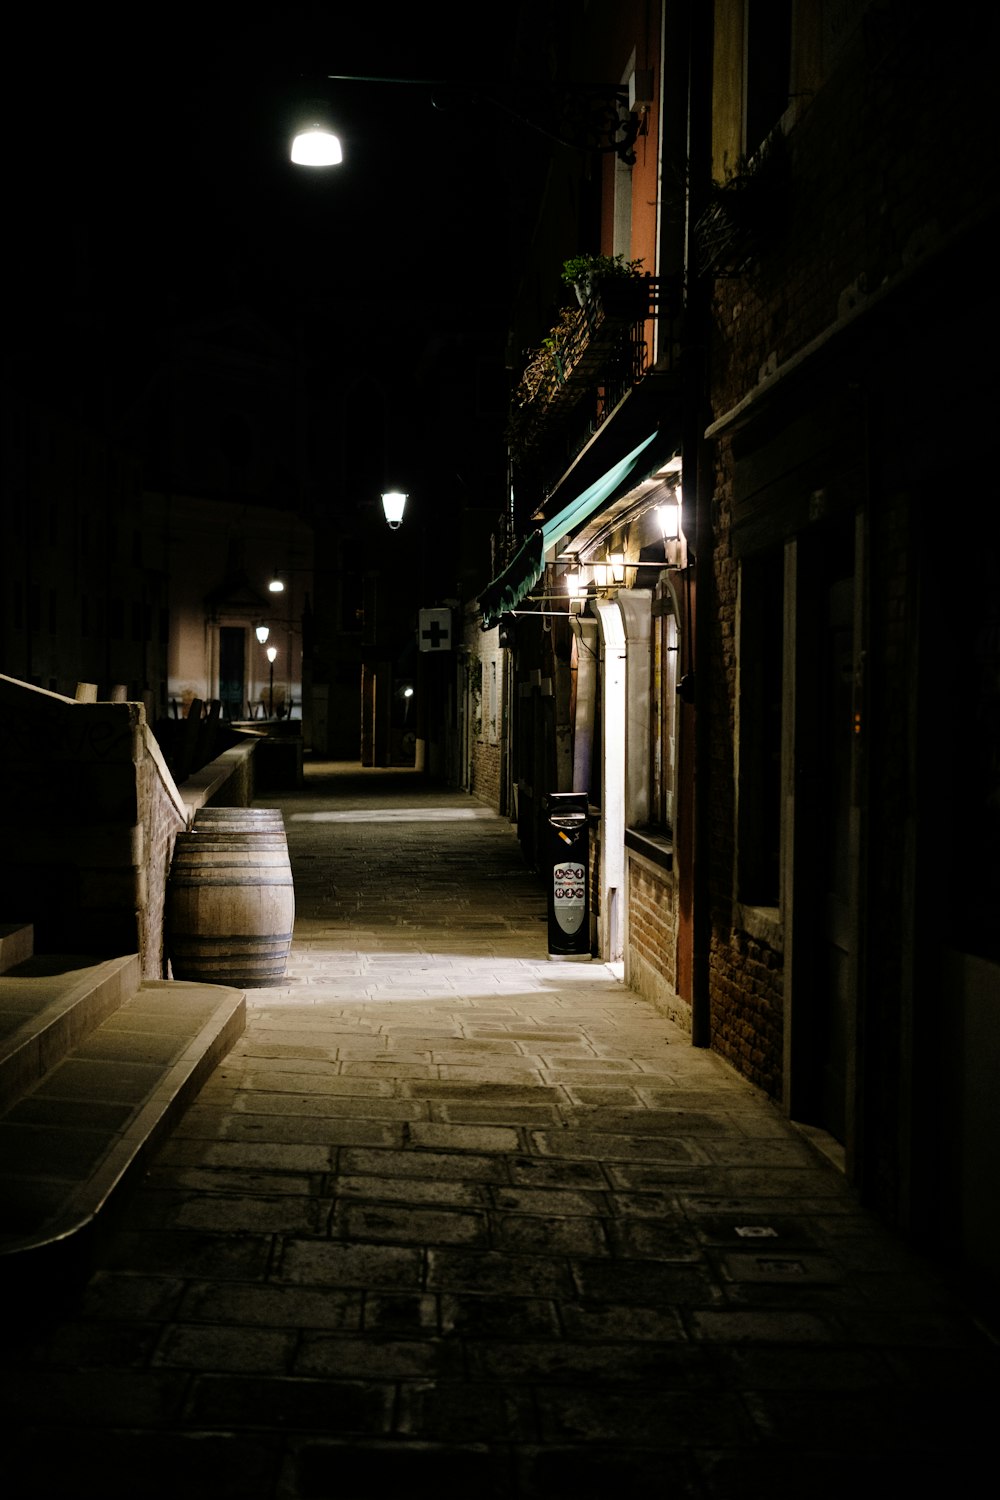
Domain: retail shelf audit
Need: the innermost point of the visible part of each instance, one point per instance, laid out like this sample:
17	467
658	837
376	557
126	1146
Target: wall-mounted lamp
276	586
669	516
588	117
261	632
314	143
394	504
576	586
616	567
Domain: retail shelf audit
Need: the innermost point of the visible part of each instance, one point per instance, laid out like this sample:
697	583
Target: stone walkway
456	1220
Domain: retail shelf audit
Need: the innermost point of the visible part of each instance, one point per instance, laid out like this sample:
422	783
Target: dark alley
452	1218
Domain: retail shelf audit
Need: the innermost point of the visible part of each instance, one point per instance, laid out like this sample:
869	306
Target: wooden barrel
230	908
239	820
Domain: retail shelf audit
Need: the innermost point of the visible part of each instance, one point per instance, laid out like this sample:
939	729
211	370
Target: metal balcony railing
594	356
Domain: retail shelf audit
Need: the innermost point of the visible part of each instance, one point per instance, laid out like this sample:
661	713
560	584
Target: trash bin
567	874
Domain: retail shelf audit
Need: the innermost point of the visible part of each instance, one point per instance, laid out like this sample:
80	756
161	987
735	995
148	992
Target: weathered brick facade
651	945
484	705
843	370
485	781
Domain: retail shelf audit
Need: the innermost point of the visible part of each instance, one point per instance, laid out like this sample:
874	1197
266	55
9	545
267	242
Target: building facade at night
786	720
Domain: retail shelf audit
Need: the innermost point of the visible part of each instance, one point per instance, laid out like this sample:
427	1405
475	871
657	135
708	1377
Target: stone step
17	942
96	1067
49	1003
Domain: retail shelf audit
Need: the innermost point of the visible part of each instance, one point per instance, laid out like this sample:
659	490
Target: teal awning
507	590
578	511
515	582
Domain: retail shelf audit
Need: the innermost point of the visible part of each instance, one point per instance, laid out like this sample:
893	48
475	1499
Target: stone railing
91	816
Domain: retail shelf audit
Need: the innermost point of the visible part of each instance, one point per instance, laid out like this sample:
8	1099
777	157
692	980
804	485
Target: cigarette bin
567	870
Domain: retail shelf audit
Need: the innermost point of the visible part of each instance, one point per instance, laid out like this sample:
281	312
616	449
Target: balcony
592	357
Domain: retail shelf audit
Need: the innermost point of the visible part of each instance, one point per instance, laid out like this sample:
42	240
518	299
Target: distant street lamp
394	504
262	632
272	652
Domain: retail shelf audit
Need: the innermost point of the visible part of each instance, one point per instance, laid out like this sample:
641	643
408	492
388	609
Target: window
768	63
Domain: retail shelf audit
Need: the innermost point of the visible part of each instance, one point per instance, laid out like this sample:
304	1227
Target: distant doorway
232	671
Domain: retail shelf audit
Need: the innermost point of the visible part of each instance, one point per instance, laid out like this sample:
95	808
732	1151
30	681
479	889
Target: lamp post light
272	652
393	505
261	632
315	144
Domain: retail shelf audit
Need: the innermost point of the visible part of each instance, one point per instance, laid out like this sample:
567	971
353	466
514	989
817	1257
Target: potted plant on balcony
745	213
589	273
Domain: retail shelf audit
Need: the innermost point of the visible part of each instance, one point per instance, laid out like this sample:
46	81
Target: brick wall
746	1008
880	172
485	783
485	709
651	943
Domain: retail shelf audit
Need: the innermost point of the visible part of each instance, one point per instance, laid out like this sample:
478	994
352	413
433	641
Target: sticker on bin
570	890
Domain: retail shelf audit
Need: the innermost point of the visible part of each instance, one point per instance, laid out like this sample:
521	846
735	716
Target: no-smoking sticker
570	893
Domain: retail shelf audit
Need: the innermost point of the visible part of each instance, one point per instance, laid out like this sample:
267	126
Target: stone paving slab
452	1220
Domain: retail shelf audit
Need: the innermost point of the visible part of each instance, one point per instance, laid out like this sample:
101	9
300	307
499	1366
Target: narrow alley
455	1219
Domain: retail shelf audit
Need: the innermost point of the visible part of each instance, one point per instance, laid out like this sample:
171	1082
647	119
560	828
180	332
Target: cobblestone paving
454	1219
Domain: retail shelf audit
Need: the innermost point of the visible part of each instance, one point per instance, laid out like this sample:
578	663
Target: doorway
825	844
232	671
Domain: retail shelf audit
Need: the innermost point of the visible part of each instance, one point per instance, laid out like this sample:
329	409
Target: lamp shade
262	632
394	504
669	514
317	146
